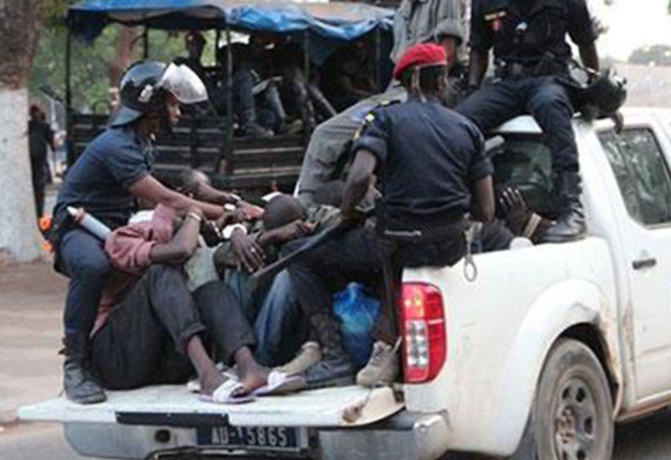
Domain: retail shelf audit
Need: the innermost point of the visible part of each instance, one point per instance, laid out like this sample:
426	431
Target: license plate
251	437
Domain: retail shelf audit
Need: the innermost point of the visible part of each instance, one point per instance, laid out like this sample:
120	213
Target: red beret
423	54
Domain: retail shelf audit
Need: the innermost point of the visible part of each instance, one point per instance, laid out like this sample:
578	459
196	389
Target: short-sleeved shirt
419	21
428	156
524	34
99	180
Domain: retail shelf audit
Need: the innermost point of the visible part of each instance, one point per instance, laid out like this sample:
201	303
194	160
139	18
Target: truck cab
535	354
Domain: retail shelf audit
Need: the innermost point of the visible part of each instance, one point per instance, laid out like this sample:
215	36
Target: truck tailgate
329	407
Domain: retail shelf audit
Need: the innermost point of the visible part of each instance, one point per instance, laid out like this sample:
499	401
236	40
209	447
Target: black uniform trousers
543	97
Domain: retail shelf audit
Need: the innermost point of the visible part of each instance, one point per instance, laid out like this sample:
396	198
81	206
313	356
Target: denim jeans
280	328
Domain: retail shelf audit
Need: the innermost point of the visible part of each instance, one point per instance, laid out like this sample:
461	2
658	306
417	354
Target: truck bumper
405	436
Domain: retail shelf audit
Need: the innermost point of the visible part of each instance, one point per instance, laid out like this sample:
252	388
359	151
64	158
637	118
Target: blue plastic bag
356	314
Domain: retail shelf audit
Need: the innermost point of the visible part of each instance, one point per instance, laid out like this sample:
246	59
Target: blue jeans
280	328
84	261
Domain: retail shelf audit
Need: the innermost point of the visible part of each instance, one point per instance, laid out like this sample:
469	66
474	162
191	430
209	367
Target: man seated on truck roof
432	164
109	178
149	326
532	57
435	21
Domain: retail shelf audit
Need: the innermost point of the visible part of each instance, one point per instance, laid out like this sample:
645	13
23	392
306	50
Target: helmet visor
184	84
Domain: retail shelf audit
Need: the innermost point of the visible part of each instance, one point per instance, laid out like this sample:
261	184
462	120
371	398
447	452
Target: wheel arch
571	309
594	338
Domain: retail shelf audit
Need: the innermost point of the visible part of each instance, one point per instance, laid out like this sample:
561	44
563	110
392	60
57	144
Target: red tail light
423	328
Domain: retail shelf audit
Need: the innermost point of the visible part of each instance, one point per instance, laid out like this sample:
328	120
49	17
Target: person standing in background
40	136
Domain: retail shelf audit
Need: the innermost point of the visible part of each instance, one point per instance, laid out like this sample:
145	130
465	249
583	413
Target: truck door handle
644	263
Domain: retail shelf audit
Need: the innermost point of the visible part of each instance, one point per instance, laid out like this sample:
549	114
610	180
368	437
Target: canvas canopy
329	21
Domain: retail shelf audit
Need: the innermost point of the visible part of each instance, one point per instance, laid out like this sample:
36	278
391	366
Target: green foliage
91	63
55	10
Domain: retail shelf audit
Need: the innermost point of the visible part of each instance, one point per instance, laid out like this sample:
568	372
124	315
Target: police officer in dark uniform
431	163
531	57
107	181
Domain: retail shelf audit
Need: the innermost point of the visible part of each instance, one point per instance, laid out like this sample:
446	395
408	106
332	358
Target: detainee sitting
150	329
433	170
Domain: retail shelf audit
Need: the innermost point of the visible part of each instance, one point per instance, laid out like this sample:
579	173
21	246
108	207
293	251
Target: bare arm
210	194
183	244
483	195
478	67
152	191
358	182
589	56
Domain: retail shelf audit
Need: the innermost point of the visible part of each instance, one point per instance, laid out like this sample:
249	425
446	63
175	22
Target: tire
571	418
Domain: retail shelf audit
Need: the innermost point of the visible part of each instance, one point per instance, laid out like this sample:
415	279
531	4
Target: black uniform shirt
428	159
523	31
100	178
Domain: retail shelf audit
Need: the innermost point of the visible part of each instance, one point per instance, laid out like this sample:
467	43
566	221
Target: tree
19	33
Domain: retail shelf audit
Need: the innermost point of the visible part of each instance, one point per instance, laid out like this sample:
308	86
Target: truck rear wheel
572	415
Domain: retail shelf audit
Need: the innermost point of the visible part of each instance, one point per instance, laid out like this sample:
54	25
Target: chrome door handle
644	263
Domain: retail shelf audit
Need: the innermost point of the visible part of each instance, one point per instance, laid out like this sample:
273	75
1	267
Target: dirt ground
31	300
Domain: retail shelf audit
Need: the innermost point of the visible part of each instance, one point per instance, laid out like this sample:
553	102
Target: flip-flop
193	385
280	383
225	394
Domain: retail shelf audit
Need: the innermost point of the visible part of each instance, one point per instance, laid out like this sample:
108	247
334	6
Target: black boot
571	223
79	385
335	367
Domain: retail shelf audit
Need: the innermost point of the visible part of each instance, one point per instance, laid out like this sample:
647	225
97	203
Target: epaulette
370	116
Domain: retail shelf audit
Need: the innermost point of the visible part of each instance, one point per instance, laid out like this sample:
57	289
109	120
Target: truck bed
330	407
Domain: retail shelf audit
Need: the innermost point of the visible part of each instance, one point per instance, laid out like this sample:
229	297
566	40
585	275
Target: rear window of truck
525	162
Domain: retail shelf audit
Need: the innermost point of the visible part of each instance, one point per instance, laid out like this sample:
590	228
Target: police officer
107	181
531	57
432	164
416	21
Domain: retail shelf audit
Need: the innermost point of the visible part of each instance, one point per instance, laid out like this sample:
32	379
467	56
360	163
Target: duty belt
426	235
545	67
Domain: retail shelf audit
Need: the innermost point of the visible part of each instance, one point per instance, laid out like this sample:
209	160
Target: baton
280	264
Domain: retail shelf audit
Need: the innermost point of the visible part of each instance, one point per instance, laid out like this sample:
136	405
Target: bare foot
253	376
210	382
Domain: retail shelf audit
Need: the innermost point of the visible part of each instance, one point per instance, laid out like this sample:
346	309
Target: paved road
646	440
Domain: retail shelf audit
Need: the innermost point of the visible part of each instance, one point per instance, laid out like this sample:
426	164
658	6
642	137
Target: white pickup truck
535	358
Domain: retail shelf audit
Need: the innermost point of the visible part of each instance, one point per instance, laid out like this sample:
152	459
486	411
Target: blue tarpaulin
325	21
